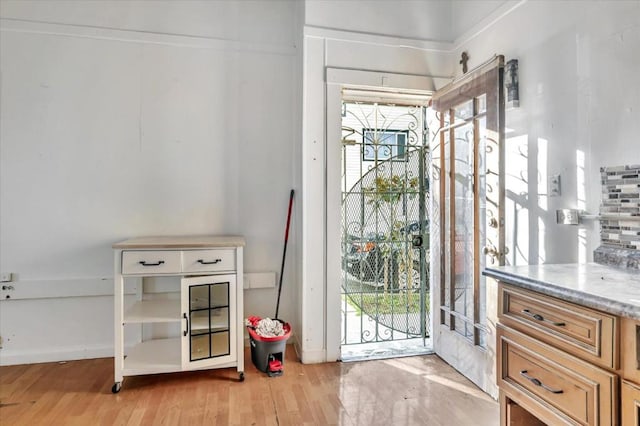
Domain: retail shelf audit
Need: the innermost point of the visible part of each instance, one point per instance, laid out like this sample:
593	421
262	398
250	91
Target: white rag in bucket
267	327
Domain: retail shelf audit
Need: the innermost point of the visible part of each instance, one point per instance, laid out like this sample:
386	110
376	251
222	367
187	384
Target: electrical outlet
554	186
6	277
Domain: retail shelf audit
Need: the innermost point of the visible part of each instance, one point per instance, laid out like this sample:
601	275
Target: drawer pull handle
184	333
144	263
202	262
537	382
541	318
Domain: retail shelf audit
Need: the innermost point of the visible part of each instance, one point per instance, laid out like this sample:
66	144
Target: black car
365	259
415	227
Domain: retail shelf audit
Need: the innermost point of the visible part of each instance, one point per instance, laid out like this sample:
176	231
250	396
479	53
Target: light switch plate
568	217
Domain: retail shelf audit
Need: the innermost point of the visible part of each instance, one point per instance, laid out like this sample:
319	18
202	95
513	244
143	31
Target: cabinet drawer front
556	381
630	408
581	331
150	262
208	260
630	349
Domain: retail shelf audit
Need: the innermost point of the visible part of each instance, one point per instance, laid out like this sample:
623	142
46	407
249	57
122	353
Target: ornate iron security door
385	230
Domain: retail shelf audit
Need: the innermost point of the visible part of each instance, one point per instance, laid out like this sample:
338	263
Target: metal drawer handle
202	262
184	333
144	263
537	382
541	318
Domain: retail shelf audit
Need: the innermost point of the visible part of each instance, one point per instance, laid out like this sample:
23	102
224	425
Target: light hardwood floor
404	391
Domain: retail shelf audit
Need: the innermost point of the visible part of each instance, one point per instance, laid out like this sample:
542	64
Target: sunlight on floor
385	350
470	389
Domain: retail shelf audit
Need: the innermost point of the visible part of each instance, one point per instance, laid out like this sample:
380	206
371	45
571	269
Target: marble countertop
189	242
616	291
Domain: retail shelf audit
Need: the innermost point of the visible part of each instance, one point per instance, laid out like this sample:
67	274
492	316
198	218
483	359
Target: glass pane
219	319
199	347
220	344
199	322
380	145
482	103
220	294
463	111
464	224
199	296
482	234
447	214
436	166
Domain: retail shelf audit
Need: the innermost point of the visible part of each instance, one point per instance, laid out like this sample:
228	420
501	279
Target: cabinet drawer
630	349
208	260
150	262
557	383
584	332
630	408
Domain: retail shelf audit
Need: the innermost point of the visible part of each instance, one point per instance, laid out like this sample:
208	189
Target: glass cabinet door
208	312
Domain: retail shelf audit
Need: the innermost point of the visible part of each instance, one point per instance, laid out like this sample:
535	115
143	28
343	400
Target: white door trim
336	78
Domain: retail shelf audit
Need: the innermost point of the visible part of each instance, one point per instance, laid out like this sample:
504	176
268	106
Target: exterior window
384	145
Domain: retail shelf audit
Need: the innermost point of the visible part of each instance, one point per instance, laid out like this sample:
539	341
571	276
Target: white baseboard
309	357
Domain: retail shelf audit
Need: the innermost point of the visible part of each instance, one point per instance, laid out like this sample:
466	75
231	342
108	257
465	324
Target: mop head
265	327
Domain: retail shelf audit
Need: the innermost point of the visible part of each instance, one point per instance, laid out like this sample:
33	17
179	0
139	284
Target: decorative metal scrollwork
380	216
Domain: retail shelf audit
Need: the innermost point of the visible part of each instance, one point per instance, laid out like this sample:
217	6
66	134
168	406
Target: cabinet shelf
203	325
147	311
153	356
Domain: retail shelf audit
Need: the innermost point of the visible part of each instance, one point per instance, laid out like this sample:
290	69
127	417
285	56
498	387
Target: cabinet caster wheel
116	387
241	376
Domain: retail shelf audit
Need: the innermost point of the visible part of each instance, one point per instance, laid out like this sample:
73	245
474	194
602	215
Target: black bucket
266	350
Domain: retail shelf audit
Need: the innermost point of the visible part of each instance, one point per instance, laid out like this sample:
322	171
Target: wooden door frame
485	79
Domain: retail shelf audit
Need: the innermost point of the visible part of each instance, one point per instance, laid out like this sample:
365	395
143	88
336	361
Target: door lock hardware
494	253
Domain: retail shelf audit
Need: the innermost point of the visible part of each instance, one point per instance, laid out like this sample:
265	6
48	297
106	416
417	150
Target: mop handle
284	253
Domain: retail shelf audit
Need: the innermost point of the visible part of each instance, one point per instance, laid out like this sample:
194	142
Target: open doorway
385	291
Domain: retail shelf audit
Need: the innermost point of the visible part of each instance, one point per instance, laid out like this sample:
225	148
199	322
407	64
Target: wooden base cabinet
512	414
560	363
194	318
557	387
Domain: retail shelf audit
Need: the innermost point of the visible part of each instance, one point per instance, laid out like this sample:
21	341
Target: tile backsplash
620	217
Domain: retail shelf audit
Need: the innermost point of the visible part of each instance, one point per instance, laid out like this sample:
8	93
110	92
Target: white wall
422	20
579	99
122	119
269	23
465	14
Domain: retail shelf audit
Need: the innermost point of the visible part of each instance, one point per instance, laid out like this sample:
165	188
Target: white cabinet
195	322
